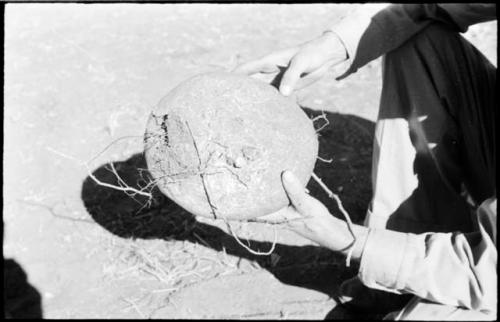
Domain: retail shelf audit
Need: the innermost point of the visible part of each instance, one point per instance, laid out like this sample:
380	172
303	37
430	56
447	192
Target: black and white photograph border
89	232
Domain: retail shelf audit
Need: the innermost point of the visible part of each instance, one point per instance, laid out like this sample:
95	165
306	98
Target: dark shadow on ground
347	141
21	299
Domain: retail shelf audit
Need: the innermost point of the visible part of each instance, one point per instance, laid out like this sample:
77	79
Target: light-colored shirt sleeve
450	268
352	26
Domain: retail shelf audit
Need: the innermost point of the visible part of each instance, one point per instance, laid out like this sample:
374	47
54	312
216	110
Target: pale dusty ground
79	76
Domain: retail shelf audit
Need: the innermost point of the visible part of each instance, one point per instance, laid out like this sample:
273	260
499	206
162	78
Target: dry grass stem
52	211
134	305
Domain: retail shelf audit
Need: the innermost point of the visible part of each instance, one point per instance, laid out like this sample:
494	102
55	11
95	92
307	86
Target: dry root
325	160
344	213
321	117
122	186
214	208
269	252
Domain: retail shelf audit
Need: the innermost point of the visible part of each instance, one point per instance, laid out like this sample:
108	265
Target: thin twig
344	213
325	160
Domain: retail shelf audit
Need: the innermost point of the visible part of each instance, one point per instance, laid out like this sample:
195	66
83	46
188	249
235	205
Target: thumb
296	192
292	75
314	76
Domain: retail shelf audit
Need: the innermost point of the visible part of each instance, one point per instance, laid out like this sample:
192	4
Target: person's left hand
301	65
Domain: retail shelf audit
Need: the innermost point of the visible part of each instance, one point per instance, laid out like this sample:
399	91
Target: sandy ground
77	77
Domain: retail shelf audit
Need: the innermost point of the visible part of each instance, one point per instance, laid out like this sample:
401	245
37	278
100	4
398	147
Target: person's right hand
308	217
303	64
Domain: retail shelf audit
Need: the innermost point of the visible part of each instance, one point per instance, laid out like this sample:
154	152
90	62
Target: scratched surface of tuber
218	143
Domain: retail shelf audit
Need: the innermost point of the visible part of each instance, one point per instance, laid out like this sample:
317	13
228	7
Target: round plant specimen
218	143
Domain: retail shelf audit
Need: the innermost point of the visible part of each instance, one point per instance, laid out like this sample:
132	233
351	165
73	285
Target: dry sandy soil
77	77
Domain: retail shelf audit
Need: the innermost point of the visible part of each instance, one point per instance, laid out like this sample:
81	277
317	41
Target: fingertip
287	176
285	90
296	192
291	183
291	76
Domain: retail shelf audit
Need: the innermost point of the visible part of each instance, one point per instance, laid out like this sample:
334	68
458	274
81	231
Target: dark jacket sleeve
397	23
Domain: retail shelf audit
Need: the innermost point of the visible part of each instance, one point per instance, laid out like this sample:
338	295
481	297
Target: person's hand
309	218
302	65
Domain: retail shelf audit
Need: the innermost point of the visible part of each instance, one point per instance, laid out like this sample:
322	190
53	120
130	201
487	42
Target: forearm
449	268
374	30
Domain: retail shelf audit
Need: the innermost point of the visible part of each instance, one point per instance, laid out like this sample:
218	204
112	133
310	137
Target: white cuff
351	27
382	259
